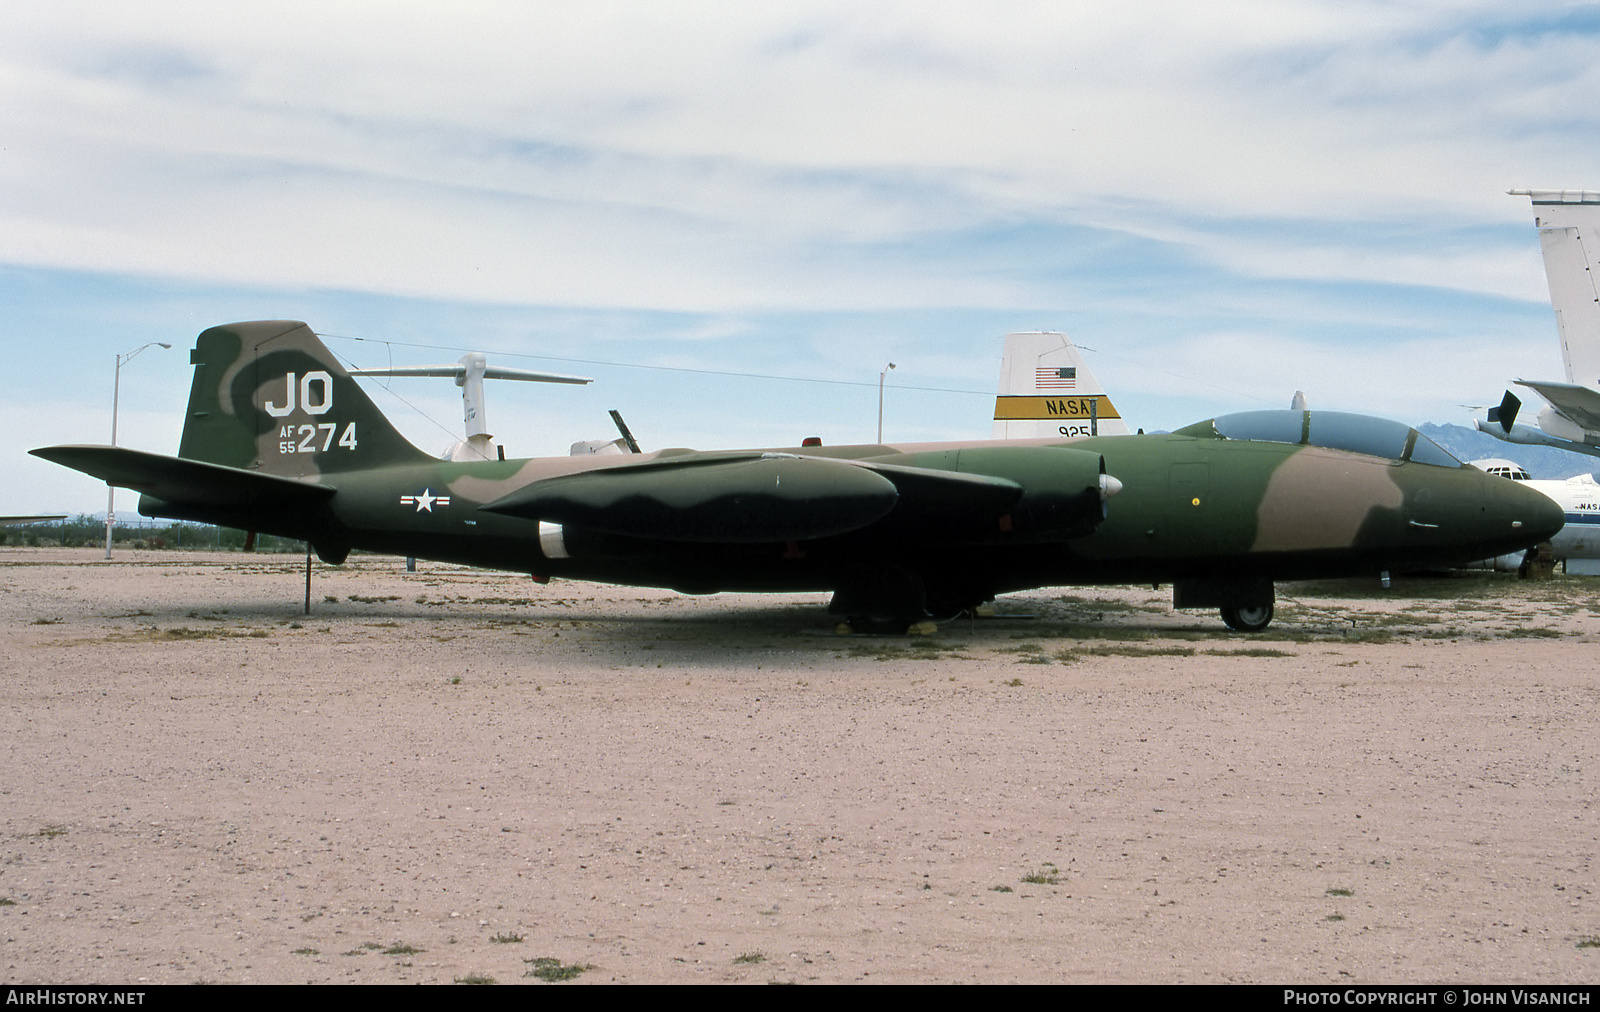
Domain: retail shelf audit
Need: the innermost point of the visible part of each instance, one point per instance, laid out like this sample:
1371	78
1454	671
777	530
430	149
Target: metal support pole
111	490
116	393
881	375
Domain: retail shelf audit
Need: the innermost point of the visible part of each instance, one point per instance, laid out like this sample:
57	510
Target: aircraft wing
749	497
1578	403
177	480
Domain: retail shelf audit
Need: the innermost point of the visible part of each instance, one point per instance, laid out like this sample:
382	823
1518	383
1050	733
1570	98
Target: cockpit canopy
1336	430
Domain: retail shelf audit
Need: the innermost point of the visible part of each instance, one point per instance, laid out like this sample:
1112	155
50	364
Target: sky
733	216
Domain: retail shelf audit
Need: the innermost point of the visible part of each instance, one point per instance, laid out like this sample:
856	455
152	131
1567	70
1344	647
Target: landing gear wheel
1250	618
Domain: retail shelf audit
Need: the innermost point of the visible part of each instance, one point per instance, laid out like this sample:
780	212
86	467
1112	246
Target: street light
116	390
881	375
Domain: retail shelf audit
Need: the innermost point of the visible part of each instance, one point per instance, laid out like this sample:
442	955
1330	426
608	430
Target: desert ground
454	775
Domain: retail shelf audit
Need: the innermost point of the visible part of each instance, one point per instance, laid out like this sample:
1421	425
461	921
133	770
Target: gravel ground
451	775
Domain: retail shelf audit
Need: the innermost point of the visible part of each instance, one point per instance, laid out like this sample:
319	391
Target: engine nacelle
1065	490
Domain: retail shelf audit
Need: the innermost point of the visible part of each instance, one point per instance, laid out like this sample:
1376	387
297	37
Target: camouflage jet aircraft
279	438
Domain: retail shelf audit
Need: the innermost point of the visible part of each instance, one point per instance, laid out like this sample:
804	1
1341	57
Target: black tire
1250	618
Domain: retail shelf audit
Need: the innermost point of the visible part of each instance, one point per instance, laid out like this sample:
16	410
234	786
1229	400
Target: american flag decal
1064	378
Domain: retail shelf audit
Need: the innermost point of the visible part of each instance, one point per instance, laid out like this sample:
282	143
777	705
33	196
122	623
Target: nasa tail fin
269	396
1046	390
1569	237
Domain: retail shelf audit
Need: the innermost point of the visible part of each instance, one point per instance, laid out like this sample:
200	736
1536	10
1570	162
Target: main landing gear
1245	601
869	625
894	600
1250	618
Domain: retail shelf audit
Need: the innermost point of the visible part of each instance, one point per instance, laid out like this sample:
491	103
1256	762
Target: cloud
722	156
812	188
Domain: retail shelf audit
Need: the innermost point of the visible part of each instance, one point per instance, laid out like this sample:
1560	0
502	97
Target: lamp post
116	390
881	375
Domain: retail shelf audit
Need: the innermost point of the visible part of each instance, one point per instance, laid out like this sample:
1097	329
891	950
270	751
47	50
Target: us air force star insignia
425	500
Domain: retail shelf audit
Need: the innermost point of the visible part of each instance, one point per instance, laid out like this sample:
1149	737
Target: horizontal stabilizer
740	498
190	482
1579	404
1505	415
458	372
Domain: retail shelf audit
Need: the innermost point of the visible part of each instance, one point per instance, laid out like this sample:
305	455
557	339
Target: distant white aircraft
1046	390
1569	235
1579	498
469	374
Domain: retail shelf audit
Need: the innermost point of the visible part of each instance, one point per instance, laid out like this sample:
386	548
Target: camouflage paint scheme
279	438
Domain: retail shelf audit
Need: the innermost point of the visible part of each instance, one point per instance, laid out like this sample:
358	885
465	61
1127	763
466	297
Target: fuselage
1579	500
1192	504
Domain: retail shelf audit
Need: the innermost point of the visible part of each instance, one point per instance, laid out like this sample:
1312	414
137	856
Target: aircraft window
1508	471
1503	469
1375	437
1428	452
1263	426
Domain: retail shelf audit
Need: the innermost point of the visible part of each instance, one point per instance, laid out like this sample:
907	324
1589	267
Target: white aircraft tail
1046	390
1569	235
469	374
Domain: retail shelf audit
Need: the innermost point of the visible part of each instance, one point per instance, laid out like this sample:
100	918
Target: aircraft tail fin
1569	237
1047	390
269	396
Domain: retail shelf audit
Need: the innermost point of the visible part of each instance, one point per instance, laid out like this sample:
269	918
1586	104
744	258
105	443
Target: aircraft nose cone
1539	516
1486	516
1516	516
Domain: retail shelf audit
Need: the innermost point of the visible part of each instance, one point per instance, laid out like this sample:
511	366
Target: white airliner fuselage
1579	498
